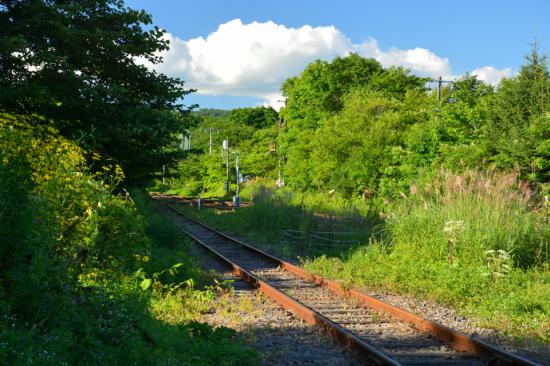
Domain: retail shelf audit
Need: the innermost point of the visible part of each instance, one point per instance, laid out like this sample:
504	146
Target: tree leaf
145	284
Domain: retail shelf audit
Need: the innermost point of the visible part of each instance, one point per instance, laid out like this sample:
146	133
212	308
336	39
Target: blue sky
430	37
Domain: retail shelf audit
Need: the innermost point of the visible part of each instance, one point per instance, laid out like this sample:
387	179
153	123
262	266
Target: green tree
459	123
76	63
320	93
319	89
259	154
395	81
353	152
518	133
258	117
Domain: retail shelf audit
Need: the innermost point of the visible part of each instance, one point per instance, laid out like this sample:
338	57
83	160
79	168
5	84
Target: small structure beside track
215	203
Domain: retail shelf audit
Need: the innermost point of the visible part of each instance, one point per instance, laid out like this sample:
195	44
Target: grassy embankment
475	242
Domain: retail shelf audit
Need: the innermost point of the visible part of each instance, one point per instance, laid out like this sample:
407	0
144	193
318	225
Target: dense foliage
356	128
314	99
76	62
381	132
86	276
84	279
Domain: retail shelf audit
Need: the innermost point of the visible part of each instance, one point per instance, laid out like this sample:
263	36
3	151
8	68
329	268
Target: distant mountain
211	112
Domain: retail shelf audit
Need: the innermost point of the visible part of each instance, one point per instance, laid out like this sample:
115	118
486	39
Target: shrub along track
380	332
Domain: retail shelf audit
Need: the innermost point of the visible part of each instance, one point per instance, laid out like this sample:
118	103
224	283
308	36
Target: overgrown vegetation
449	196
352	127
478	242
86	277
450	193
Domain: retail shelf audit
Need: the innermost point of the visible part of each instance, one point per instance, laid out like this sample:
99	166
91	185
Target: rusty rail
457	340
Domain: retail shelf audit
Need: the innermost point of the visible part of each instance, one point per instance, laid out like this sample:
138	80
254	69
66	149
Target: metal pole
227	169
279	181
237	171
163	172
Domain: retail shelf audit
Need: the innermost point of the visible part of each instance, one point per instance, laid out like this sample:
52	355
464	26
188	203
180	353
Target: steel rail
455	339
296	307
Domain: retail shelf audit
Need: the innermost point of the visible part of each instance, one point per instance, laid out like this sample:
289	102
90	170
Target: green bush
68	223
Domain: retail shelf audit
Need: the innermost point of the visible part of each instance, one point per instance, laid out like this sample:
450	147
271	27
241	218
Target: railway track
204	202
379	332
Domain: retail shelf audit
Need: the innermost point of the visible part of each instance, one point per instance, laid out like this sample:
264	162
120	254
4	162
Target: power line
440	82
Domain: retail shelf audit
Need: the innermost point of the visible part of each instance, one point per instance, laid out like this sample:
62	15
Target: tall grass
497	212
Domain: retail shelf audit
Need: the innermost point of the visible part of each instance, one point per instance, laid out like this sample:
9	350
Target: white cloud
491	75
275	100
420	60
254	59
249	59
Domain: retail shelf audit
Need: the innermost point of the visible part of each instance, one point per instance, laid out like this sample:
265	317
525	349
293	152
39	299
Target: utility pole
163	172
185	141
279	178
280	182
440	82
236	199
237	180
210	145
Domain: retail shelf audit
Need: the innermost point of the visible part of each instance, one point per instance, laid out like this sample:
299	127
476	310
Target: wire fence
321	238
323	221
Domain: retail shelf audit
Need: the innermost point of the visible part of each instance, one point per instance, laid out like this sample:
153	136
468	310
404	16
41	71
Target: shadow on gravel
283	346
306	345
